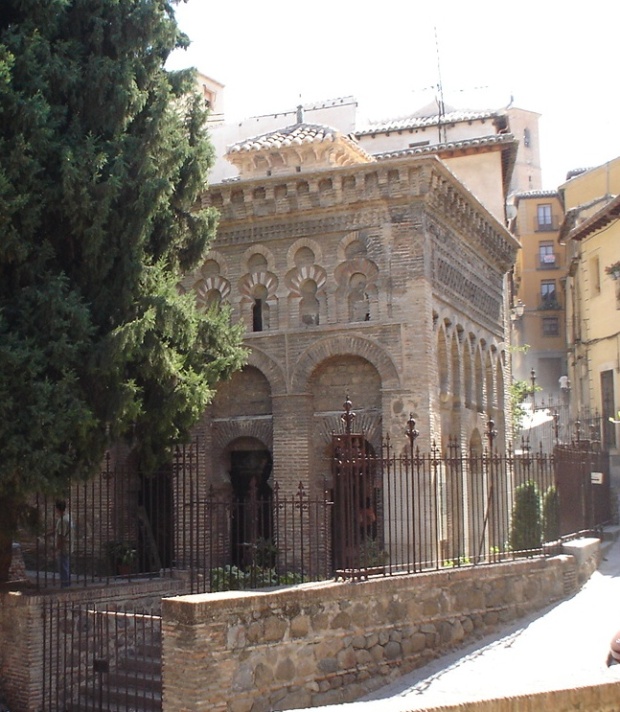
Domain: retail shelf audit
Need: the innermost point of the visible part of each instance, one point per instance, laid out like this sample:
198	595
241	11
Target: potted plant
613	270
122	556
372	557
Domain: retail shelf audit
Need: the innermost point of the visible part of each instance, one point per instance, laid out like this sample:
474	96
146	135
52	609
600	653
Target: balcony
549	260
547	223
549	303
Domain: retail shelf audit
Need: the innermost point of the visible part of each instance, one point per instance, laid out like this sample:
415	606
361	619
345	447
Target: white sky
557	58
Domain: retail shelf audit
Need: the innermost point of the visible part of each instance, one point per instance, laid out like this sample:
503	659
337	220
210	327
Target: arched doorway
251	523
357	504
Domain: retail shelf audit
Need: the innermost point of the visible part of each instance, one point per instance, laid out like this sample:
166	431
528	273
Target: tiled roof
607	214
537	194
296	134
413	121
493	140
574	172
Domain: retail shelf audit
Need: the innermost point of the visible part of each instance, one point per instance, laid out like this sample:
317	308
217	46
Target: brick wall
320	644
22	631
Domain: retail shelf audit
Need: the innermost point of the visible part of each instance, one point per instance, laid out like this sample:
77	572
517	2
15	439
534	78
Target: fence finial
411	432
491	433
348	416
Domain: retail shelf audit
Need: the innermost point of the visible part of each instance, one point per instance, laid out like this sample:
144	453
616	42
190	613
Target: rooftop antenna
441	127
300	111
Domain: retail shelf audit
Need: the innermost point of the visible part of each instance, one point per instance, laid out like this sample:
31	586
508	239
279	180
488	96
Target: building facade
592	235
493	152
380	280
538	302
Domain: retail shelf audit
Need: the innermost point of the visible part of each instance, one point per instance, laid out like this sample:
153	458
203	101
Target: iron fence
273	537
100	657
433	510
399	511
118	526
549	423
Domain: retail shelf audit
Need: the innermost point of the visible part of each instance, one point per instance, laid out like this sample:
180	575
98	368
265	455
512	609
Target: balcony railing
549	304
548	261
548	223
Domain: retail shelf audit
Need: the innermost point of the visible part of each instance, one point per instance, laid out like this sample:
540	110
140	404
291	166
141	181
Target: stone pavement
563	646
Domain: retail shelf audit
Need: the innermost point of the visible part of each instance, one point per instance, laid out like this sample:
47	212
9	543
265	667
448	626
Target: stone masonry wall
320	644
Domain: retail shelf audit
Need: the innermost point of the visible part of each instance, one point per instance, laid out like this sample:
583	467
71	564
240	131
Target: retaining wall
319	644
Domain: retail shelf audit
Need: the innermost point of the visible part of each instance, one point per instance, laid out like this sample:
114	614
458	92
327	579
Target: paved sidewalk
560	647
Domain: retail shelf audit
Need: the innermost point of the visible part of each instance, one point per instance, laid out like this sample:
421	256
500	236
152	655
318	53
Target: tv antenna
441	126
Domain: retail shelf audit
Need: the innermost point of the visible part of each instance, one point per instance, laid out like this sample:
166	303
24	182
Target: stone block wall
320	644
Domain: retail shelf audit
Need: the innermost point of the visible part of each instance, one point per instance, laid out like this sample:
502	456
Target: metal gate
100	658
582	477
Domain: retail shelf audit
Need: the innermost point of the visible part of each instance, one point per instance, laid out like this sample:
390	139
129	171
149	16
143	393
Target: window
544	218
309	304
546	255
548	296
214	298
595	274
551	326
359	304
260	309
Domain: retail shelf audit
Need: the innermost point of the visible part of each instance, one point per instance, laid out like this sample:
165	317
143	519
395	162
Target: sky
558	59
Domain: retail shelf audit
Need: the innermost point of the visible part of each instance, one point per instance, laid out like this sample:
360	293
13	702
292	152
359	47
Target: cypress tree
526	525
103	155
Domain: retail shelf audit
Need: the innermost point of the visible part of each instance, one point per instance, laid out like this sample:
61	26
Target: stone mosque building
377	274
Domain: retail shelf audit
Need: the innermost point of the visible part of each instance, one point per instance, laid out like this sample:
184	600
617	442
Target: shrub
551	515
526	525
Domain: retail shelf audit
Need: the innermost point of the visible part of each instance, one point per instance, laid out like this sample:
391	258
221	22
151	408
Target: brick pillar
21	652
292	435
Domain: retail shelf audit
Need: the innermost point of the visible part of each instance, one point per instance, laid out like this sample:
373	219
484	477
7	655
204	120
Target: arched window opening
359	303
260	309
213	299
309	304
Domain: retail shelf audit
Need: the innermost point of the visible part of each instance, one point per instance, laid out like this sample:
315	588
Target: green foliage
261	573
264	553
455	563
121	552
551	515
519	392
372	554
103	155
526	525
227	578
233	578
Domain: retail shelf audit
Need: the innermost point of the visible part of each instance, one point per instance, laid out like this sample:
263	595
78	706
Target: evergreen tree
103	155
525	524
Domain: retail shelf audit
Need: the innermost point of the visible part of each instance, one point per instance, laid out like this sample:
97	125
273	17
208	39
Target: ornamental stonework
339	277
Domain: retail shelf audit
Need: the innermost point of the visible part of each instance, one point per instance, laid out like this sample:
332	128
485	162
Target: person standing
63	542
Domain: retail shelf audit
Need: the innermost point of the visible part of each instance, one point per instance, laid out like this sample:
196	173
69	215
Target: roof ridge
411	120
